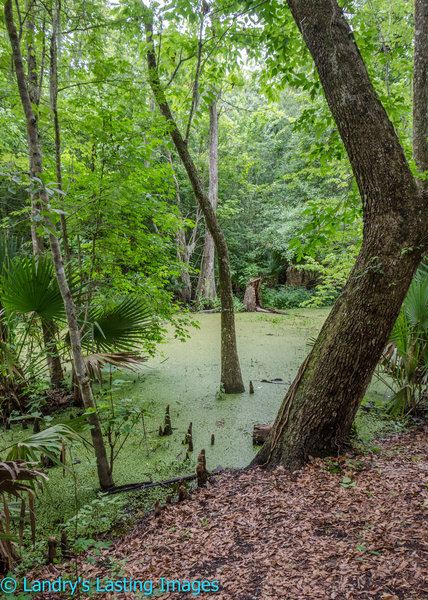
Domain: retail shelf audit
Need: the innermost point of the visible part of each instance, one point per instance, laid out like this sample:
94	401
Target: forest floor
352	528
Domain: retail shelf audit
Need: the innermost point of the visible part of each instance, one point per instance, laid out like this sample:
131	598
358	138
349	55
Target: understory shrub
285	296
237	304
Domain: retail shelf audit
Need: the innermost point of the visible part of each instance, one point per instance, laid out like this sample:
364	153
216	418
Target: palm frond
121	325
13	474
30	287
416	303
122	360
9	248
405	358
49	441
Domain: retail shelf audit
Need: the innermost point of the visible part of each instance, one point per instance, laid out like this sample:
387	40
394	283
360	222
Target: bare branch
195	95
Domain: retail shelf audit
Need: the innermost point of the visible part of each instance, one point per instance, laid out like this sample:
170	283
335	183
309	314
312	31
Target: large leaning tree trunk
104	474
231	377
316	416
206	281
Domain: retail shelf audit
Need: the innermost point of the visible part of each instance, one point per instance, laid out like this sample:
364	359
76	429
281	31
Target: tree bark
231	377
420	92
104	474
53	90
53	360
253	297
56	374
184	249
206	281
317	413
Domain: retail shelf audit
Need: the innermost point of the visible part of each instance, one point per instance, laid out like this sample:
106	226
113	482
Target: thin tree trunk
206	282
231	377
53	88
49	329
56	374
104	475
420	92
316	416
184	249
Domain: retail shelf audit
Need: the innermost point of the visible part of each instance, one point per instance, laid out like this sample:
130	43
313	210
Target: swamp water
187	378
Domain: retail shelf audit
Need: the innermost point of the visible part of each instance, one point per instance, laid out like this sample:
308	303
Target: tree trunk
104	474
317	413
231	377
206	282
56	374
53	360
53	91
184	249
420	92
253	296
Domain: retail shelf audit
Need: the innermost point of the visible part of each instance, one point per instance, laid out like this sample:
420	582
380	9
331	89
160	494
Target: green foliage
285	296
118	419
237	304
98	516
405	359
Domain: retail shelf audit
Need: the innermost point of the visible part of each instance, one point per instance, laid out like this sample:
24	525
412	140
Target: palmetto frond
9	248
30	287
416	302
50	441
119	326
122	360
405	358
17	480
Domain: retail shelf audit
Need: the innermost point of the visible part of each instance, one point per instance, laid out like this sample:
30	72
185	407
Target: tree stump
260	434
189	437
252	297
52	546
65	551
181	493
168	427
201	470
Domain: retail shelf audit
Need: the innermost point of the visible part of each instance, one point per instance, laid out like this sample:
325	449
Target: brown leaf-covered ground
358	534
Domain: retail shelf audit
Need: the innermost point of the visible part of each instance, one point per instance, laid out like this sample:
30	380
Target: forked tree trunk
206	281
104	474
231	377
319	408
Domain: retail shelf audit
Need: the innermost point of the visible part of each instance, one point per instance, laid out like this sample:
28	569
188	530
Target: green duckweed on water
186	376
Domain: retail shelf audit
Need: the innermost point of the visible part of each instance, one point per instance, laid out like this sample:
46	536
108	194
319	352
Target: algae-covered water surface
187	377
187	374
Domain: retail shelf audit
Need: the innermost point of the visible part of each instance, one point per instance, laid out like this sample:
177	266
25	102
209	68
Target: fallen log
271	310
129	487
260	434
